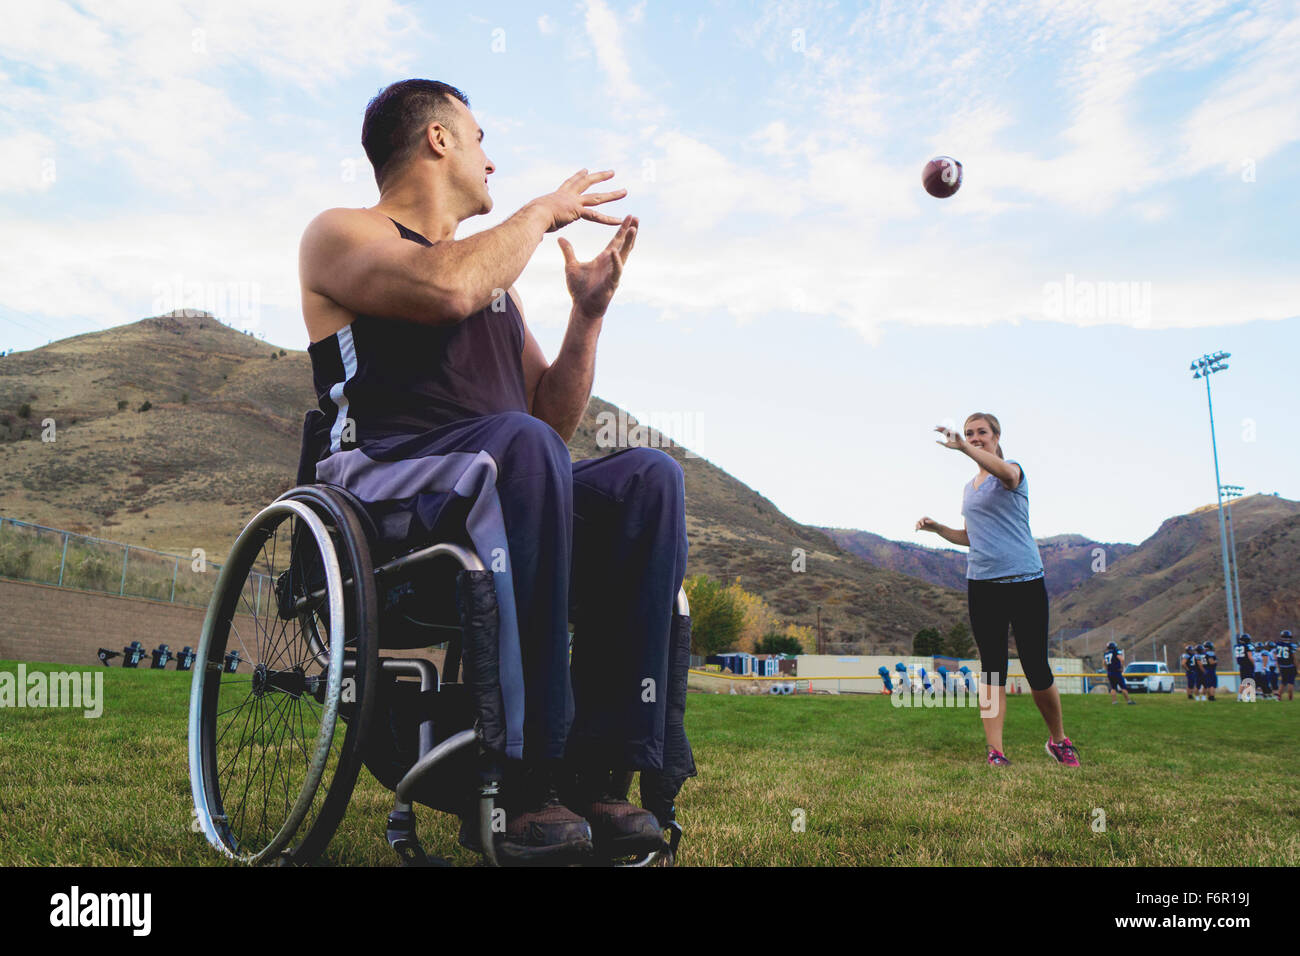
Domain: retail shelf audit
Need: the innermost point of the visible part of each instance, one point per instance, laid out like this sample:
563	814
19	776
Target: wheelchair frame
345	600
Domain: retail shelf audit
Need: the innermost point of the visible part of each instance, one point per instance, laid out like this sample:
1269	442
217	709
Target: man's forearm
565	387
489	262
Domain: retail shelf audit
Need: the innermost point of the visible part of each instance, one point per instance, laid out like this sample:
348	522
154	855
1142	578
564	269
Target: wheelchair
290	698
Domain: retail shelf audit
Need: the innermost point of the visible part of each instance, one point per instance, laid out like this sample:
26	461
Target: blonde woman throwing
1004	583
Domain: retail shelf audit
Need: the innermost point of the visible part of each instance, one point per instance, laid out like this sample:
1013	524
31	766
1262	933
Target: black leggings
1023	605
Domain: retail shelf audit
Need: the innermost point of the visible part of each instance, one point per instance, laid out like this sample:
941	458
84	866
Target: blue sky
795	301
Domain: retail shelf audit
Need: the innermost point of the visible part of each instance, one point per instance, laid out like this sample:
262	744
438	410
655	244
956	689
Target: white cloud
606	36
30	163
697	186
817	212
1254	112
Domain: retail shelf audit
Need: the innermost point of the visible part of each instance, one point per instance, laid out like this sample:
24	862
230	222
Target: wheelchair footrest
402	838
674	840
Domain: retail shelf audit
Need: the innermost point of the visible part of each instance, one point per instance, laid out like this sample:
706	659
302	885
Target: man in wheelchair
441	414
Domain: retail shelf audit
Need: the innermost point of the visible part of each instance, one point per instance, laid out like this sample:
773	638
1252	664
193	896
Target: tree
779	644
958	642
758	618
146	406
927	643
716	617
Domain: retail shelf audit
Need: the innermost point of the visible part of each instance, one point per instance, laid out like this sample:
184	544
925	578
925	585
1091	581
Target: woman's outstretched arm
1005	472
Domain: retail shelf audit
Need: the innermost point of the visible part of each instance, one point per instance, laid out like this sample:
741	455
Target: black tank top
394	377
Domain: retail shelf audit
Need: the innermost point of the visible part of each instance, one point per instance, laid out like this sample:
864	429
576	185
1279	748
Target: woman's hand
929	524
952	440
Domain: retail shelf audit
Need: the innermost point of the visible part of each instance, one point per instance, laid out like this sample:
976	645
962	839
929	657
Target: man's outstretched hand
592	284
572	202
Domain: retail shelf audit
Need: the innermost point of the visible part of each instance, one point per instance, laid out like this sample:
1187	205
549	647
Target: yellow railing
1100	675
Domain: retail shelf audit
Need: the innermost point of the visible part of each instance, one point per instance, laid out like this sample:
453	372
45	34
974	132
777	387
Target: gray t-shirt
997	523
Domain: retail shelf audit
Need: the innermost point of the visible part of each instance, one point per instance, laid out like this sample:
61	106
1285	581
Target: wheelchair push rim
265	697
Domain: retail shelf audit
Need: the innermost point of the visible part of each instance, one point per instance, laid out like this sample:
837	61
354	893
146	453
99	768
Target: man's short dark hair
397	118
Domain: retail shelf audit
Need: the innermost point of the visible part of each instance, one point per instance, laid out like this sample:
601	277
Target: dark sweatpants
605	537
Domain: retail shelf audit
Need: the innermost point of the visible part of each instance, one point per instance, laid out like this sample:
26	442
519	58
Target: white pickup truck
1152	677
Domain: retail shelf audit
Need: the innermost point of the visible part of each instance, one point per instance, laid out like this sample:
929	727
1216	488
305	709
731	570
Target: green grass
1181	783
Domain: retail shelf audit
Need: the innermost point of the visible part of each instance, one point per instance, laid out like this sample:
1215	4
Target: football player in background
1270	670
1188	662
1210	672
1114	659
1198	663
1245	658
1259	657
1286	664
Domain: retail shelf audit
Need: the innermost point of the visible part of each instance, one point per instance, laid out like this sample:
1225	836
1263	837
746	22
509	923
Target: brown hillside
1067	558
221	440
1170	590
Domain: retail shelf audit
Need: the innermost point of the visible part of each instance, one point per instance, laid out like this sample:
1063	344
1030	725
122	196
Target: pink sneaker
997	758
1064	752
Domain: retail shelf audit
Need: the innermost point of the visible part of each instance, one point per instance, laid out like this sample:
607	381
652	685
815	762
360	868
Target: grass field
1180	783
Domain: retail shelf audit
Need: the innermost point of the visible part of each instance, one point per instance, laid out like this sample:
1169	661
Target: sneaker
618	827
997	758
544	832
1064	752
1132	702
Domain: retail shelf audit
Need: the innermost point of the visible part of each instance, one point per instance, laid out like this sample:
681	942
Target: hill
1067	558
1169	590
219	438
172	431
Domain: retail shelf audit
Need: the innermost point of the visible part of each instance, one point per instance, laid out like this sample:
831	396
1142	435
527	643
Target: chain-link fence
31	552
1093	646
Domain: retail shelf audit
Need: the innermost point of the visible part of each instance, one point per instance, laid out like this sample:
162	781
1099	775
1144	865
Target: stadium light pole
1230	492
1204	367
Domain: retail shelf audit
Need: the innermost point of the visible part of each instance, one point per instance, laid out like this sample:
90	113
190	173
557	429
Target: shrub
93	572
121	404
24	410
146	406
15	561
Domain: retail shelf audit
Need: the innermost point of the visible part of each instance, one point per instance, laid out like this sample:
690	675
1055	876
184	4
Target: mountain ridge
170	432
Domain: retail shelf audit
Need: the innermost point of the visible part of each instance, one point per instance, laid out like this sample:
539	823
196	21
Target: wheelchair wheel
288	647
